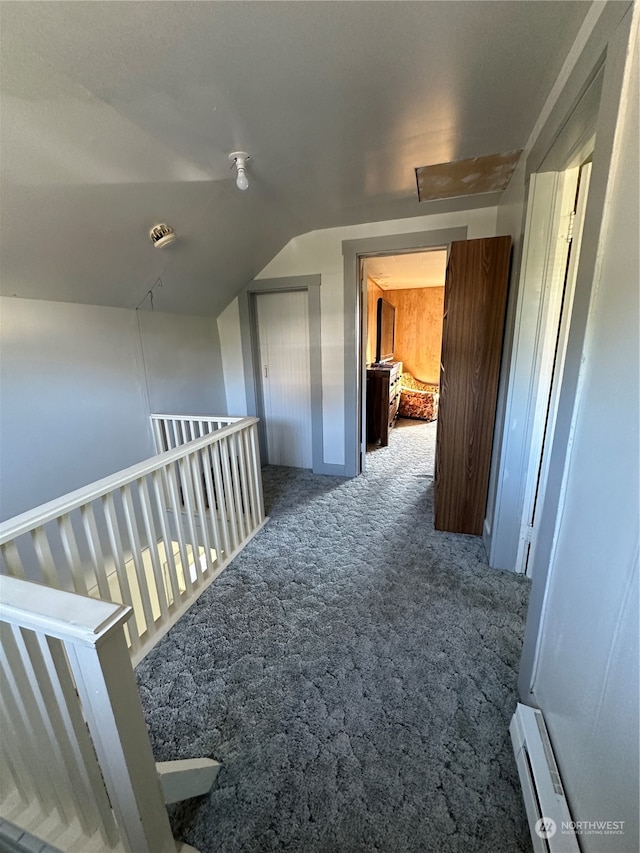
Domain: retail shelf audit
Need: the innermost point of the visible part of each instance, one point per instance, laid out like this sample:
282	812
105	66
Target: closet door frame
252	365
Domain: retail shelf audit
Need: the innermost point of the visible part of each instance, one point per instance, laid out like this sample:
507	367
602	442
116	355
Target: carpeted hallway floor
355	672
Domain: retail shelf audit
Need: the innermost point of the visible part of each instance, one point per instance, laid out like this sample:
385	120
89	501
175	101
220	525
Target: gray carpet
354	671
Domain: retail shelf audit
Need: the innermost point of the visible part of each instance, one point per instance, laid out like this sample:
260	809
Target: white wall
587	676
73	394
231	345
183	363
510	220
321	252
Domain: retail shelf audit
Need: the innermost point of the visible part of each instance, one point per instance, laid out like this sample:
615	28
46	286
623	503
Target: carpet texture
355	672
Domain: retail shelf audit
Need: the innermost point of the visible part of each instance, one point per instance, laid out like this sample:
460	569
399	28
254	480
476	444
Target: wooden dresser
383	399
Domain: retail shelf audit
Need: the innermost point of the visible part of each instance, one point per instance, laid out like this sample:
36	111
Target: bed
418	399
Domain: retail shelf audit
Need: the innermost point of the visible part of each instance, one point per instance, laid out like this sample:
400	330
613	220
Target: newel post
107	688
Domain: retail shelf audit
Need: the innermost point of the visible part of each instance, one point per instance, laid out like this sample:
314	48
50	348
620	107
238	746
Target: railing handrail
59	613
204	418
41	515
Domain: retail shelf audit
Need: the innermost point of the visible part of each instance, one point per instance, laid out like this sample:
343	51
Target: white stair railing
76	766
171	431
153	536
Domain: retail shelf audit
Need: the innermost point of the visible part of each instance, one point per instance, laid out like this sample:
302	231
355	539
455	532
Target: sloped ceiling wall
117	116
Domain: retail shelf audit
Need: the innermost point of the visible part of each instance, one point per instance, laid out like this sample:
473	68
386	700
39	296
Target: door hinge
526	534
572	217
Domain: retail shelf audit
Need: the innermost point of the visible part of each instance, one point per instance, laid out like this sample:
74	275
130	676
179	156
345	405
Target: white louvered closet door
283	334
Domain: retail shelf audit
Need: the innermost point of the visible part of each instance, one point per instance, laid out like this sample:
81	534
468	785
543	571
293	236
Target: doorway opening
402	301
475	295
355	375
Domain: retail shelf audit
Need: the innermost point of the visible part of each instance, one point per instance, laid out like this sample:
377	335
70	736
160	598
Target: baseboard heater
550	821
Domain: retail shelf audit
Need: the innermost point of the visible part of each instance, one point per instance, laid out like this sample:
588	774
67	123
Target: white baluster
178	523
251	488
237	488
115	540
244	484
174	434
158	479
157	434
12	561
205	461
188	492
197	475
221	510
152	540
228	492
257	471
136	553
95	550
50	575
70	547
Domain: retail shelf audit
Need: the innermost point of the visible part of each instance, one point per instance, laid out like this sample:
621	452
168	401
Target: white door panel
283	335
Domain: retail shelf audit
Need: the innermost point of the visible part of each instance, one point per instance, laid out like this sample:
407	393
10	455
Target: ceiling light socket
239	160
162	235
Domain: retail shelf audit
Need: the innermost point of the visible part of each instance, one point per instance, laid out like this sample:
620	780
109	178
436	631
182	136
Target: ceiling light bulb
239	160
242	182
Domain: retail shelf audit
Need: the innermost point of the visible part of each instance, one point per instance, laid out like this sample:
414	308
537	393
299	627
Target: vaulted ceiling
120	115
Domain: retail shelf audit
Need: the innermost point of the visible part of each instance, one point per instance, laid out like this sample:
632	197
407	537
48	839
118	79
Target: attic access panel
466	177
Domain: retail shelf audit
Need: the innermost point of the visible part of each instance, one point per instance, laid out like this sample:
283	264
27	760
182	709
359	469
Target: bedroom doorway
402	300
472	325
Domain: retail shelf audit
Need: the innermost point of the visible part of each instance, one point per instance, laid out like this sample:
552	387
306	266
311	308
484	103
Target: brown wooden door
474	310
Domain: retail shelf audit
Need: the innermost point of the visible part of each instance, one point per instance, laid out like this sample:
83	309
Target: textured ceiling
407	271
119	115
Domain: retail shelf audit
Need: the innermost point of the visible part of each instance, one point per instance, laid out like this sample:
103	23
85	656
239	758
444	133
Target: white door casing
552	379
551	201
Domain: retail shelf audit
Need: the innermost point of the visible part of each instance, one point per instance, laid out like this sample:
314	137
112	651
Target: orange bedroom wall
418	329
